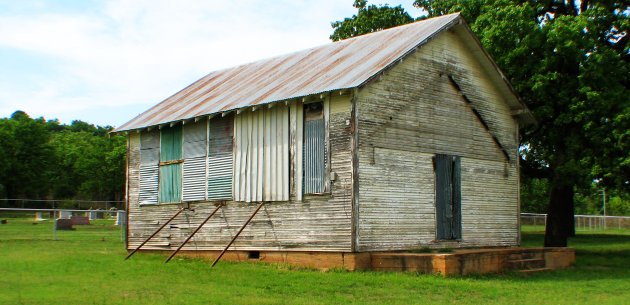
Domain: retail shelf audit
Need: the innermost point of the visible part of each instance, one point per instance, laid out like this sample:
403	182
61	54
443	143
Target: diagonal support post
155	233
238	233
193	233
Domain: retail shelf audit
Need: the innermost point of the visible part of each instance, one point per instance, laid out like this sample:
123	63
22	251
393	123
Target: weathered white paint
412	113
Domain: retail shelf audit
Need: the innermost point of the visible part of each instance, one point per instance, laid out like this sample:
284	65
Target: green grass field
86	266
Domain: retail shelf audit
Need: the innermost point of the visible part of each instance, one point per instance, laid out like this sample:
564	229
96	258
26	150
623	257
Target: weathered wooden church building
401	139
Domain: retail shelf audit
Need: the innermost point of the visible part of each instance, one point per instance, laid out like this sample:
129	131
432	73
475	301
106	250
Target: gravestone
63	224
80	220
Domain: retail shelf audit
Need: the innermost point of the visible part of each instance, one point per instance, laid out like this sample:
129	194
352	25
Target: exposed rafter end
270	105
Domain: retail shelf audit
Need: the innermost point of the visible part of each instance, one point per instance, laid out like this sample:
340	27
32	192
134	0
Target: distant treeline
42	159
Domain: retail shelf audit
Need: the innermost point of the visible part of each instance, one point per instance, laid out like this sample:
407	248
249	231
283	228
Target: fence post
55	230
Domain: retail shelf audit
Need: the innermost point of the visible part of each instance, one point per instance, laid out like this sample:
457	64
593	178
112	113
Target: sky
106	61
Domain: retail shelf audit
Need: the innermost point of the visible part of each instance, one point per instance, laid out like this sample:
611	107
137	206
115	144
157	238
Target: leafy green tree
570	62
26	155
47	159
90	164
369	18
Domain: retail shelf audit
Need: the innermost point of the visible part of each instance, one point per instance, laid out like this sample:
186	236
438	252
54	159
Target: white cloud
127	54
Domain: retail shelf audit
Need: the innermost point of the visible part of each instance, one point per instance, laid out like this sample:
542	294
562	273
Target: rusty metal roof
340	65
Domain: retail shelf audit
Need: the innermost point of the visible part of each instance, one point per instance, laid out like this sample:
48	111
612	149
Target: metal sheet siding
220	158
195	140
262	155
314	156
149	158
194	183
315	223
220	177
344	64
148	184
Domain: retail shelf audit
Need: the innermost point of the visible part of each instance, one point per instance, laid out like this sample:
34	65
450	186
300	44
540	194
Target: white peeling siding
412	113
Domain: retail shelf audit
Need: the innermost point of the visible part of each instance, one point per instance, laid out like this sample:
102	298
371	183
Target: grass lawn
86	266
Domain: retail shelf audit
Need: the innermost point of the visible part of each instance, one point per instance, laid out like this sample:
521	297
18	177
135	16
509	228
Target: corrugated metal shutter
262	155
194	180
448	196
148	185
149	158
195	140
220	158
194	176
314	156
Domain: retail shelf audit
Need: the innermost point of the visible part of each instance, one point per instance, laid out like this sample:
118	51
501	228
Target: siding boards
412	113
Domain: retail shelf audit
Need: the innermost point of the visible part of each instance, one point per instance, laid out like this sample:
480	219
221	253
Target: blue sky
105	61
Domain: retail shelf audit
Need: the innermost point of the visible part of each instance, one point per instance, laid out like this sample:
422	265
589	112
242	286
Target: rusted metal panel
344	64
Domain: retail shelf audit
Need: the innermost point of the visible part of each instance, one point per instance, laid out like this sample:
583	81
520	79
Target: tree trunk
560	213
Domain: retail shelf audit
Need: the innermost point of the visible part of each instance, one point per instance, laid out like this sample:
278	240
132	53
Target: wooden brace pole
154	233
193	233
238	233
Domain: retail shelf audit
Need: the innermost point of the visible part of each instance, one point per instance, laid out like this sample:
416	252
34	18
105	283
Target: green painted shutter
171	143
170	185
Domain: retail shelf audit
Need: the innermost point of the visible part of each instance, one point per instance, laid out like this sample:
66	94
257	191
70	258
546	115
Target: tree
369	18
44	159
26	156
570	63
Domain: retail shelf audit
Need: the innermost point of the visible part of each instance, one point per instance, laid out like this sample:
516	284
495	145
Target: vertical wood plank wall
407	116
316	223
